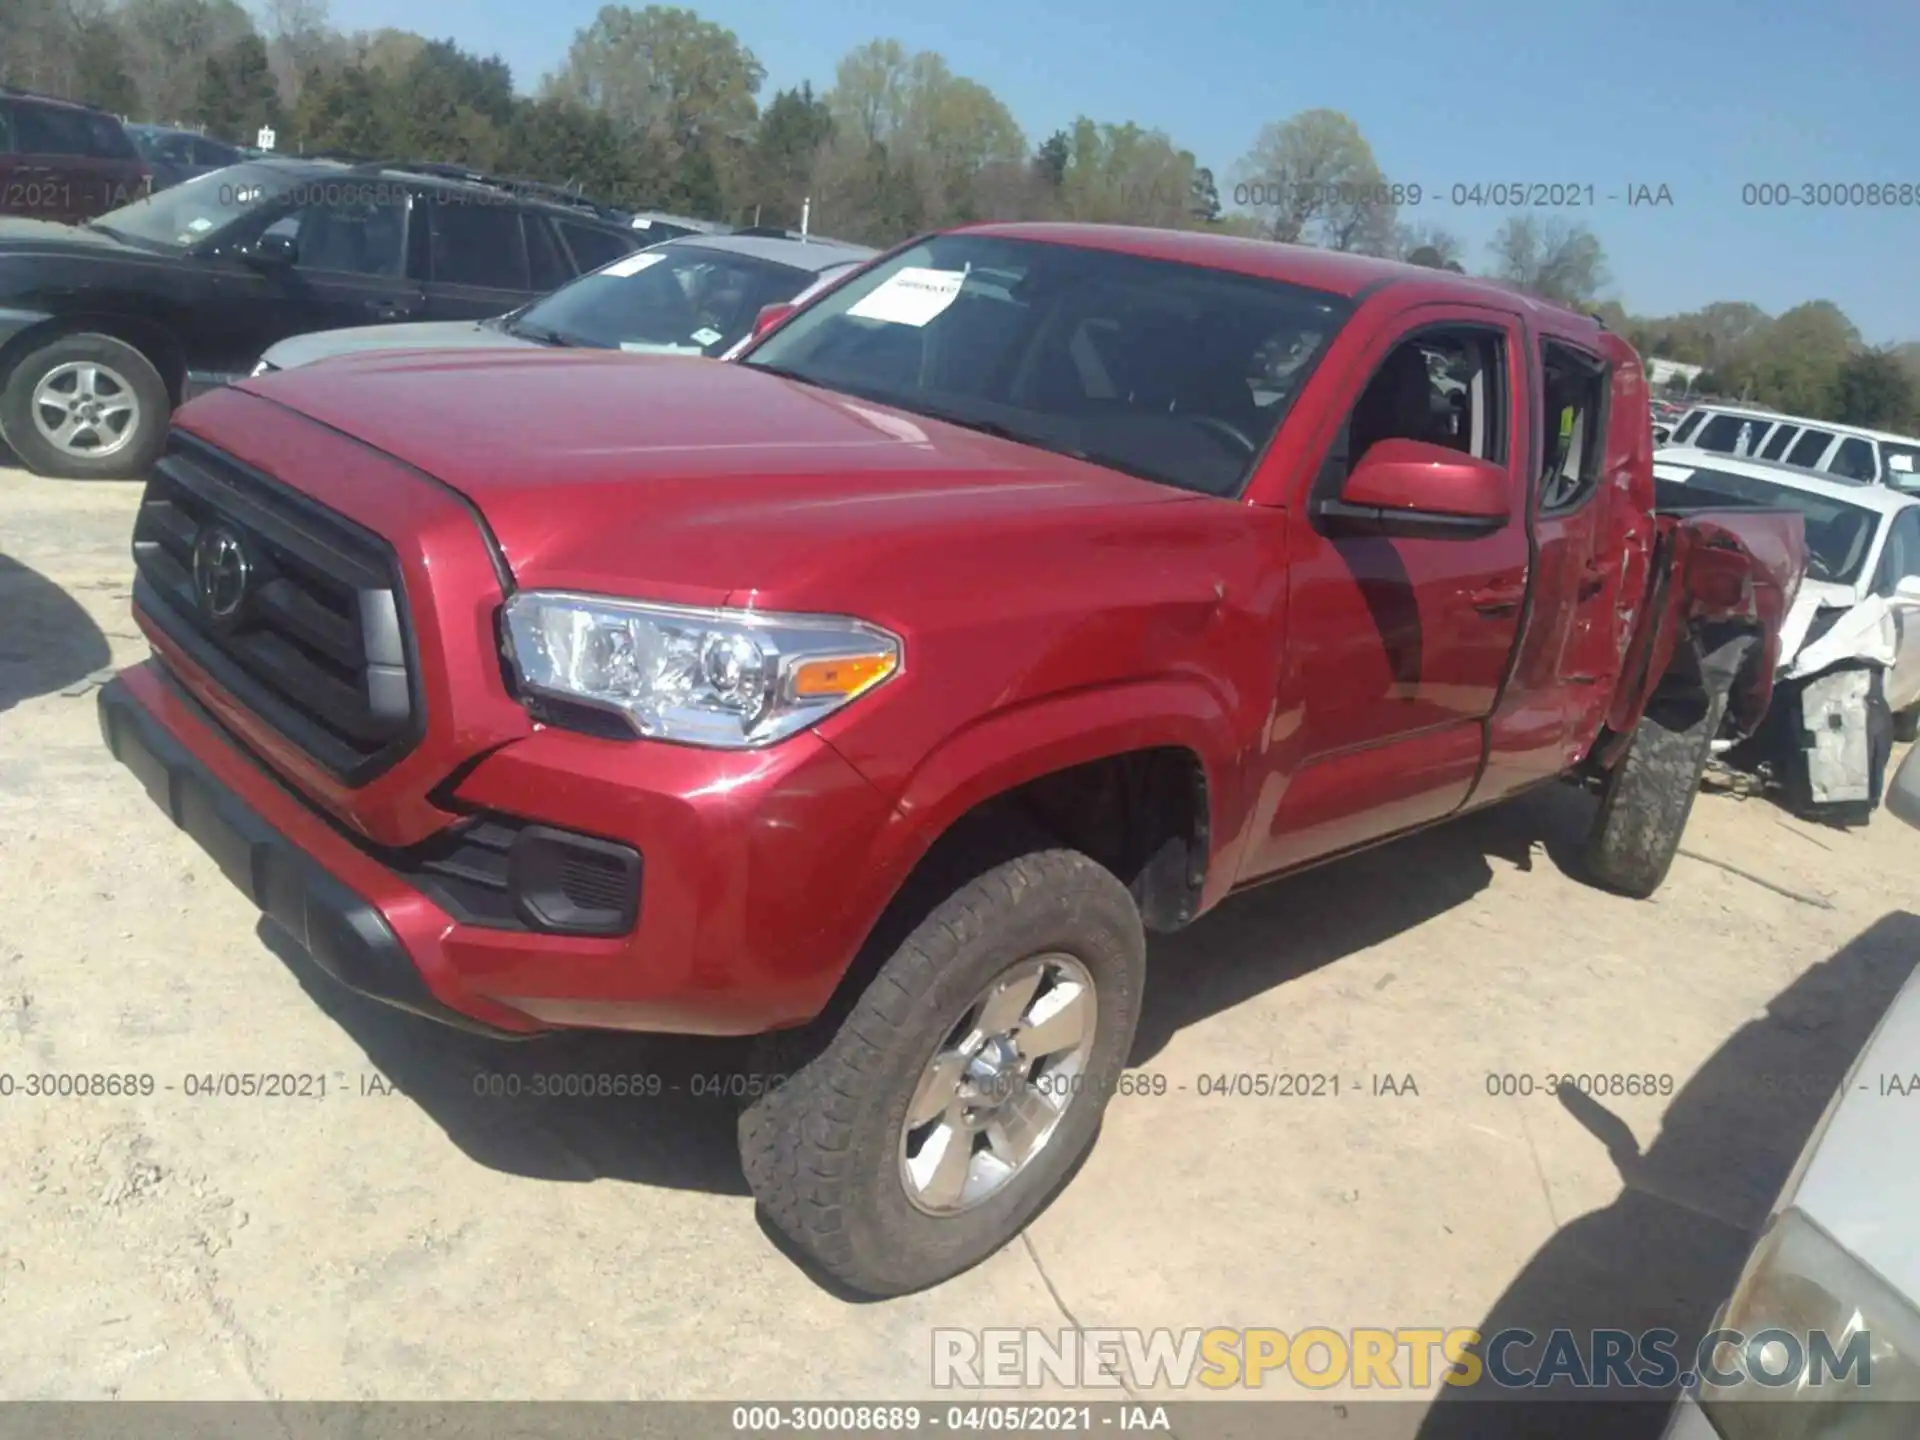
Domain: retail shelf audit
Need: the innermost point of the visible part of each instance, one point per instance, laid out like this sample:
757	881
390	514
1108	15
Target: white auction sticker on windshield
912	296
1903	463
706	336
633	264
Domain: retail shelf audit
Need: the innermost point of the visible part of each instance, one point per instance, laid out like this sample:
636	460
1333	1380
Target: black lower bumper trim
346	936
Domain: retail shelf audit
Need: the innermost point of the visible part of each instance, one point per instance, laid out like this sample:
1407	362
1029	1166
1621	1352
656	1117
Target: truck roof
1335	271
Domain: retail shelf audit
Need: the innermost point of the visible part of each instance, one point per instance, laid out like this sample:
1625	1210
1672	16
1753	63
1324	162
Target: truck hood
1861	1175
602	471
425	335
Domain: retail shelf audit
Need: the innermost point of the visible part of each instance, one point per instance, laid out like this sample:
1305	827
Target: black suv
105	327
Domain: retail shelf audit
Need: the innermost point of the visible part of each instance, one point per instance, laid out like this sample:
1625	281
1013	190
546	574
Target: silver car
1840	1254
696	295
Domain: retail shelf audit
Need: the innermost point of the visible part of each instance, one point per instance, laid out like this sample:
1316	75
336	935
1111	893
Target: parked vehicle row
1848	677
1845	452
176	155
105	327
699	295
1028	589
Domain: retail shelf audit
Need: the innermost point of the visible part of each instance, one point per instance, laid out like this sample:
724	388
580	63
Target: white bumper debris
1865	633
1833	712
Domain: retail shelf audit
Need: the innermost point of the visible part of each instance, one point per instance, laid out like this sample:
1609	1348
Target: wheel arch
1129	775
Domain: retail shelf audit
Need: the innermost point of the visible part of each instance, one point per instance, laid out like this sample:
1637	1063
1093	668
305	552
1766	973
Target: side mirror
1661	434
272	250
770	316
1418	490
1907	588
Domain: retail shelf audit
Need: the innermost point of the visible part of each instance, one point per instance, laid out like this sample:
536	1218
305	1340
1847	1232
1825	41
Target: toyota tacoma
1032	591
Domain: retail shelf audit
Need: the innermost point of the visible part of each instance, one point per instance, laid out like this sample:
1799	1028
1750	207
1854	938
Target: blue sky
1702	96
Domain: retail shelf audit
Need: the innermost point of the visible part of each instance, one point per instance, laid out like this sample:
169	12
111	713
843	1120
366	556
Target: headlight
725	678
265	367
1802	1282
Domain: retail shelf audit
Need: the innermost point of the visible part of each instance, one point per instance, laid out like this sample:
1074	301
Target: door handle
1497	599
386	309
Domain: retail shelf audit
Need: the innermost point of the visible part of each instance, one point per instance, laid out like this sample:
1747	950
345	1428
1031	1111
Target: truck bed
1721	572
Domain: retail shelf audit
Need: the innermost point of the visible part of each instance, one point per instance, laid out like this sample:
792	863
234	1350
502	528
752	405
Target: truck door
1397	645
1591	531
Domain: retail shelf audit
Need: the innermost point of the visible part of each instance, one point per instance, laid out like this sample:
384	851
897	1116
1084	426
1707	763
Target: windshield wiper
1000	431
789	374
542	335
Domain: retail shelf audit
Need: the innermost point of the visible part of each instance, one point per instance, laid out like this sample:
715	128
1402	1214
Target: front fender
1009	747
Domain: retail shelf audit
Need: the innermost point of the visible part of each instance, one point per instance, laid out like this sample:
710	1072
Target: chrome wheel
86	409
995	1091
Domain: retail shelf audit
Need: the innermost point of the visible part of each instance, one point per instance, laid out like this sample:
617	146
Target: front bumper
343	932
756	890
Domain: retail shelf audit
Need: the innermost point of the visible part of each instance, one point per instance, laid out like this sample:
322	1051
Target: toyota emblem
221	572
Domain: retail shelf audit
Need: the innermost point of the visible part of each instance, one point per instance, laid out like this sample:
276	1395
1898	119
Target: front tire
967	1081
1906	725
1647	797
85	407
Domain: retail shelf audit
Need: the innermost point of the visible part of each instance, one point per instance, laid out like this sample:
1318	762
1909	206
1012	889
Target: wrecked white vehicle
1848	681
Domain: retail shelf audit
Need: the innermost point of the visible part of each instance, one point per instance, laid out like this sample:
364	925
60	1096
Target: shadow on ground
1292	927
680	1131
1667	1252
516	1106
47	640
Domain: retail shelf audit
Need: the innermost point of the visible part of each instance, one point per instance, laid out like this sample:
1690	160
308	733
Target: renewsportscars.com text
1408	1358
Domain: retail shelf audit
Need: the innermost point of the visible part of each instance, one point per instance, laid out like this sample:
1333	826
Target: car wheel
1647	797
964	1085
1906	725
85	407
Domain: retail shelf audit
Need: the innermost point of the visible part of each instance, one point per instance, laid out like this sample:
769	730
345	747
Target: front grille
315	640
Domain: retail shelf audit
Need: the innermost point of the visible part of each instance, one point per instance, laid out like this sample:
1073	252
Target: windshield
1173	372
677	298
1839	535
187	213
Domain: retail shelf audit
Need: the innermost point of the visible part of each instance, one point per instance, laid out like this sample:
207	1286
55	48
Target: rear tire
107	390
1906	726
831	1156
1646	799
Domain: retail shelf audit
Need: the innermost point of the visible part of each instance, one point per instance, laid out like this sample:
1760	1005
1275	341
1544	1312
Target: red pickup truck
1035	588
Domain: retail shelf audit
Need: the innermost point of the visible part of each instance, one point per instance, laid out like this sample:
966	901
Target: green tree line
660	108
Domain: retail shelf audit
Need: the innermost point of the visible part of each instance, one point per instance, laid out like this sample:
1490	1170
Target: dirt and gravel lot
409	1237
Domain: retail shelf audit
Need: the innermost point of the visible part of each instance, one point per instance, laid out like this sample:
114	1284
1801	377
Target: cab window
1573	392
